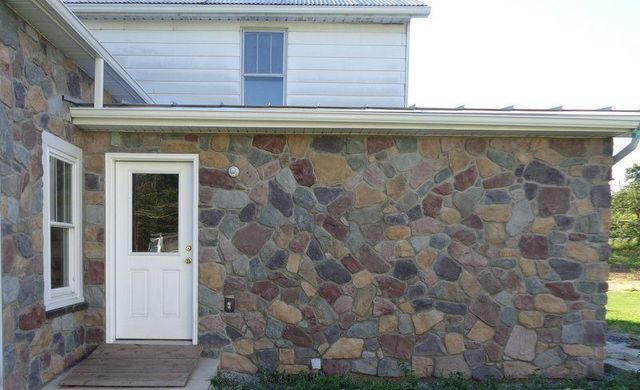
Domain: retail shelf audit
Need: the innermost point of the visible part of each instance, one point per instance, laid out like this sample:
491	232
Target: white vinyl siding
199	62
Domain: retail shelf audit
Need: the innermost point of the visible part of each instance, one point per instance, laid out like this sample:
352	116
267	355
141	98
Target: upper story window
263	68
62	222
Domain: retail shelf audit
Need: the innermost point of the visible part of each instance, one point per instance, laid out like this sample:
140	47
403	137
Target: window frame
243	75
53	146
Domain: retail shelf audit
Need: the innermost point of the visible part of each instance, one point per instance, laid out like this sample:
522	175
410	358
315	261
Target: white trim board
110	270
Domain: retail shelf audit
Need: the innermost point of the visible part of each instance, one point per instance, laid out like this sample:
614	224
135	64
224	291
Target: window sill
50	314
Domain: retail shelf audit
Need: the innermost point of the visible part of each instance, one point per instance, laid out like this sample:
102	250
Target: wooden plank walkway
134	365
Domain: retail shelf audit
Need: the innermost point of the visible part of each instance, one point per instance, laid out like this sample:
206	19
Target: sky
530	54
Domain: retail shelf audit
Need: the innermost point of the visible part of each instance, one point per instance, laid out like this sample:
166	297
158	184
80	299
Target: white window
62	222
263	68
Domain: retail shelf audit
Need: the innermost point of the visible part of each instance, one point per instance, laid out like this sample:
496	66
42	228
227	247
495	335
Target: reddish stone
95	336
282	280
553	200
486	309
382	306
502	335
310	316
595	333
297	335
351	264
216	178
302	171
476	146
251	238
266	289
234	319
256	322
372	261
431	205
465	236
330	292
397	346
335	228
336	367
269	142
31	318
523	302
569	147
511	281
299	242
373	233
290	295
564	290
473	221
379	143
95	272
577	236
233	284
465	179
346	320
494	351
534	247
500	180
341	205
391	287
8	254
443	189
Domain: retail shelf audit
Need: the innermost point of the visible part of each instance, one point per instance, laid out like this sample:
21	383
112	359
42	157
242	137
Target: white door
154	239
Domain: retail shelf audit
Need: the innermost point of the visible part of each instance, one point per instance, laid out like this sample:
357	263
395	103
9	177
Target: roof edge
348	121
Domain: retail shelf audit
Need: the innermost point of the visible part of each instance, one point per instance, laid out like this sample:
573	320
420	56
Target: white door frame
110	217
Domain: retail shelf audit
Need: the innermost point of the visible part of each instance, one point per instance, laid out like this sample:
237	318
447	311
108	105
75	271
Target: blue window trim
282	75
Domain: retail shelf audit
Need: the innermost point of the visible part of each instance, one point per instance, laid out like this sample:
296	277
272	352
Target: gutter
635	139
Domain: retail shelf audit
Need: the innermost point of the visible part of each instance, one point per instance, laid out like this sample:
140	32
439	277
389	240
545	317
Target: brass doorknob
188	248
188	260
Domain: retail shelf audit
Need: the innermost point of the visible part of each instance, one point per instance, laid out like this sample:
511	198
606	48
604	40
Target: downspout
635	138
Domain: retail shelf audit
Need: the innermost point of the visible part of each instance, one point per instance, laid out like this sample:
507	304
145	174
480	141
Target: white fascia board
234	11
44	15
348	121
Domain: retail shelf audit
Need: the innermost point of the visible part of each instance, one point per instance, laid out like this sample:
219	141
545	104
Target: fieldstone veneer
483	256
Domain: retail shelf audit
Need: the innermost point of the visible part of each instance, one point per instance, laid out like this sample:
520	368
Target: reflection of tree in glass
155	212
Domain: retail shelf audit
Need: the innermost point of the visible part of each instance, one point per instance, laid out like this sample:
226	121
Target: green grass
623	311
625	256
276	381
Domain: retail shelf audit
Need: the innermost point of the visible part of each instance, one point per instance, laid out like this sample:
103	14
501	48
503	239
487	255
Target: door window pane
60	190
59	257
262	91
155	212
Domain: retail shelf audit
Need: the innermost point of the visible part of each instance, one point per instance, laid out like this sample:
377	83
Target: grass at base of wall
278	381
625	256
623	311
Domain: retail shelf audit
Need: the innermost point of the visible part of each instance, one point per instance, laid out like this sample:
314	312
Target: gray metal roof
312	3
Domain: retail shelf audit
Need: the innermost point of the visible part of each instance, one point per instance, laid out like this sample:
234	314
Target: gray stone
396	219
371	344
211	217
505	160
365	215
544	174
267	359
356	163
404	162
451	308
304	198
439	241
422	304
314	251
274	328
241	266
257	270
280	199
419	242
248	213
355	145
534	285
486	372
23	243
475	357
208	237
229	225
230	199
447	268
566	269
579	188
363	330
278	259
257	157
328	143
286	180
94	214
406	144
405	325
496	197
443	175
355	240
332	333
8	27
521	217
10	289
572	334
407	201
332	271
549	358
601	196
271	217
388	367
324	311
431	345
367	366
509	316
326	195
209	299
94	296
303	219
466	201
405	269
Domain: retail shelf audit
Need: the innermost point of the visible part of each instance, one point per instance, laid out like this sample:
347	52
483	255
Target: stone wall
33	77
483	256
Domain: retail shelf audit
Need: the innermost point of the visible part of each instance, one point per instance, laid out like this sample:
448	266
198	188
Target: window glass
59	257
261	91
250	52
155	212
60	190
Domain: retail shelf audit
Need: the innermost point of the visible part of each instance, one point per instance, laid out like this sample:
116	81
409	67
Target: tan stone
452	365
35	100
7	95
293	262
406	307
454	343
578	350
450	143
212	275
286	313
495	232
331	169
5	58
494	213
214	159
362	279
524	157
263	343
550	304
398	232
237	363
366	196
487	168
543	226
404	249
178	146
450	216
543	269
362	300
517	369
430	147
531	319
424	321
244	346
219	142
598	272
582	252
388	324
458	160
481	332
396	187
425	259
549	156
605	220
575	170
287	356
345	348
308	289
470	284
94	250
422	366
298	145
509	252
